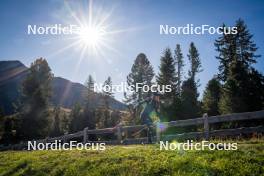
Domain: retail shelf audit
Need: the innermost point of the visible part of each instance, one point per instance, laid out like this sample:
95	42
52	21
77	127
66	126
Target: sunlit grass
136	160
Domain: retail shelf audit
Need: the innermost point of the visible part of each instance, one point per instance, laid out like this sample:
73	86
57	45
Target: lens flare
162	126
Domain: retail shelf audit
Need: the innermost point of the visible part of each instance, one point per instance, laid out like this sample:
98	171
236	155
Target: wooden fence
205	133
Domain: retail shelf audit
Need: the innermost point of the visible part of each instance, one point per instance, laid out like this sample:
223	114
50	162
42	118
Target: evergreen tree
108	93
65	123
108	85
246	48
8	136
75	119
189	102
236	56
189	96
233	99
167	75
179	66
89	120
56	128
88	115
141	73
241	95
228	100
81	118
255	93
195	61
36	91
211	97
90	93
226	48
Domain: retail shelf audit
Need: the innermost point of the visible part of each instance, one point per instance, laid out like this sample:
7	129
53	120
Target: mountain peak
65	92
11	69
6	65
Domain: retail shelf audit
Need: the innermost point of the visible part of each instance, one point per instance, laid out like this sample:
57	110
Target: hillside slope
65	92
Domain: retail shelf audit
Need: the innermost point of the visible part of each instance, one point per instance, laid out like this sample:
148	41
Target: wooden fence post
119	134
64	139
85	135
206	126
157	132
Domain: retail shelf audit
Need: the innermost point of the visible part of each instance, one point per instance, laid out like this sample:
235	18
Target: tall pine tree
211	97
141	73
179	66
189	100
195	62
36	90
75	119
108	92
56	127
90	93
167	74
107	95
88	115
236	56
189	96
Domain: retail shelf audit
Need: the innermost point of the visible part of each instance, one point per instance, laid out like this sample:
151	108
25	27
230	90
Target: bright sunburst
97	30
91	36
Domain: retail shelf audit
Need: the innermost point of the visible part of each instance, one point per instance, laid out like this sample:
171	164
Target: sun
93	30
91	36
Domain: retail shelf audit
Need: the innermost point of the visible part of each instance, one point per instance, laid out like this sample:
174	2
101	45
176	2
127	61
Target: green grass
136	160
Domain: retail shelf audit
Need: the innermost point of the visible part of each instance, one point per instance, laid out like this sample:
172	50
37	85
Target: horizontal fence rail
205	121
217	119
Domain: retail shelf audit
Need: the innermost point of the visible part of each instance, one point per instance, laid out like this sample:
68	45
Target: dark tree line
182	101
36	118
91	116
238	86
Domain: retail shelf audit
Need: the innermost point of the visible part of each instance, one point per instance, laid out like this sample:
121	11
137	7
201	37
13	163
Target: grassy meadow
135	160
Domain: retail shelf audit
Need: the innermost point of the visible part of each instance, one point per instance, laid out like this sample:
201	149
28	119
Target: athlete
150	113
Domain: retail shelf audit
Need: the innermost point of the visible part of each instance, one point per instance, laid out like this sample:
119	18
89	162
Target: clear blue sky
138	21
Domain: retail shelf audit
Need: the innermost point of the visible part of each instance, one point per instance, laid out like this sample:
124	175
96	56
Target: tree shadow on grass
20	166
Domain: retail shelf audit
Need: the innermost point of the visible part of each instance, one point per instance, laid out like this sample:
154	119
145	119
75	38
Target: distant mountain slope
65	92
